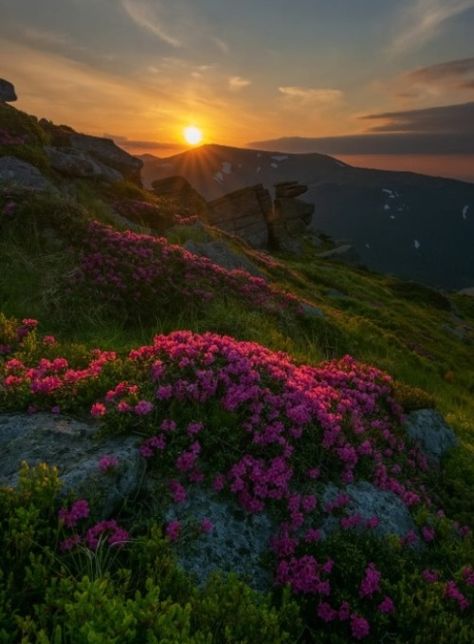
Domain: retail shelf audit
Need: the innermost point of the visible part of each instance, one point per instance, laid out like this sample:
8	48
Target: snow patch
280	157
259	155
367	245
392	217
274	165
465	210
386	207
226	167
391	193
259	169
219	177
416	244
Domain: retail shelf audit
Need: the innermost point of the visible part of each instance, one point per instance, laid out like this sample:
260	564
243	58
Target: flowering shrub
254	425
133	270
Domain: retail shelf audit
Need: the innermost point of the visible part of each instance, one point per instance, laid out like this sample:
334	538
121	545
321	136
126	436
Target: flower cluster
132	269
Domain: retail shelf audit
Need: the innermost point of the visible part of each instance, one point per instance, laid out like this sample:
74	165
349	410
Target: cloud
125	142
451	70
423	20
311	95
148	17
373	144
237	83
433	120
222	45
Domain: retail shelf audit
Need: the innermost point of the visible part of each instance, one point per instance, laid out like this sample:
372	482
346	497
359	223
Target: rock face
244	213
235	544
178	189
82	155
144	214
290	216
368	501
71	445
18	174
428	428
7	91
220	253
74	163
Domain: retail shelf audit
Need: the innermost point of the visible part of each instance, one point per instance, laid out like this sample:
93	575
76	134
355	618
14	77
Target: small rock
428	428
312	311
7	91
15	173
368	501
235	544
72	446
345	254
76	163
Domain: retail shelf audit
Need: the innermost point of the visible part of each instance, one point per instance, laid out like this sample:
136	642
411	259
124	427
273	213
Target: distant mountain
410	225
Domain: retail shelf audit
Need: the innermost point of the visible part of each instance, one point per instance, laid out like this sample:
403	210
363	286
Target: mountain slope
413	226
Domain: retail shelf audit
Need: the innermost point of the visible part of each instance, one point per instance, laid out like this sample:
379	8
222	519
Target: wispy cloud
320	96
149	16
447	118
221	45
236	83
423	20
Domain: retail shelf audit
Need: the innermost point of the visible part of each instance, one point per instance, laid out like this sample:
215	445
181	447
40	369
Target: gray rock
76	163
467	291
236	543
220	253
15	173
428	428
108	153
74	448
244	213
290	217
7	91
369	501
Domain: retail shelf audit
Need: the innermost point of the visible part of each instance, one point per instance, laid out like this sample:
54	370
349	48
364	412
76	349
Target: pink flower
386	606
177	491
49	340
359	627
206	526
108	463
428	533
143	408
98	409
468	575
326	612
430	576
451	591
173	530
70	543
79	510
370	584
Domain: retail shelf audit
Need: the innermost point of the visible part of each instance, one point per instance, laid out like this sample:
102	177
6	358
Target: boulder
368	501
467	291
220	253
290	217
7	91
15	173
187	200
244	213
108	153
75	163
73	447
428	428
144	214
235	544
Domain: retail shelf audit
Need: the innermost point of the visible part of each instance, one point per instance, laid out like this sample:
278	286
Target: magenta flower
359	627
108	462
370	583
206	526
386	606
430	576
98	410
143	408
173	530
79	510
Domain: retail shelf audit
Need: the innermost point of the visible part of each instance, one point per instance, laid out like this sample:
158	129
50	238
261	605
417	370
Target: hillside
412	226
253	448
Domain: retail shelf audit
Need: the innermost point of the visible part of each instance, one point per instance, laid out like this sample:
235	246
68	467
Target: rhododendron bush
135	270
254	426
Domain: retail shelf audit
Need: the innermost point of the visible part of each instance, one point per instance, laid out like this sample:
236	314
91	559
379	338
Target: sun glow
192	135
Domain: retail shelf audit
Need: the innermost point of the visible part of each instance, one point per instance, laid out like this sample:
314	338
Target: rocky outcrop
428	428
290	216
244	213
7	91
83	153
75	163
221	254
144	214
73	447
18	174
178	190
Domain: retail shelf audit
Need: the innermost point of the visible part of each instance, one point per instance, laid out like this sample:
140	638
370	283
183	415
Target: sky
385	81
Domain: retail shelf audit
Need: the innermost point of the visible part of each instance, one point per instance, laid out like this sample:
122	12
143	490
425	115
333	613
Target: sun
192	135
